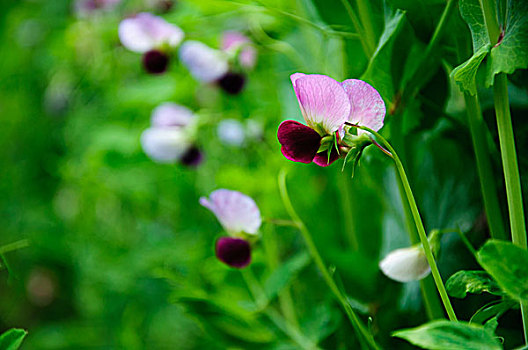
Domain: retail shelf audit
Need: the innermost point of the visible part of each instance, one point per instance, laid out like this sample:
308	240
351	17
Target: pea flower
204	63
169	139
406	264
84	8
151	36
326	105
240	217
231	132
239	46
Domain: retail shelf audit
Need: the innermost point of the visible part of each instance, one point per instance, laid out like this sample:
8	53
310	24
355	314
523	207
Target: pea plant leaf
506	263
443	334
283	275
474	282
507	55
12	339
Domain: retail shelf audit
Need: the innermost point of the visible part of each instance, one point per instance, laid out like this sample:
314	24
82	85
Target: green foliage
285	274
506	263
12	339
439	335
474	282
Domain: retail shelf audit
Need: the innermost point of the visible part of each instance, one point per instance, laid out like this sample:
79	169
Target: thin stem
359	328
23	243
419	224
367	48
466	241
260	298
507	148
487	180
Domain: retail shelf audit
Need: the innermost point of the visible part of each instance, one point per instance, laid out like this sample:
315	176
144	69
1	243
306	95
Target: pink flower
239	216
326	105
168	140
152	36
203	62
240	45
236	212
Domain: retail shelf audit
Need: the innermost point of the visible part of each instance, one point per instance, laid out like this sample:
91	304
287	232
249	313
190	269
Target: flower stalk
417	221
360	329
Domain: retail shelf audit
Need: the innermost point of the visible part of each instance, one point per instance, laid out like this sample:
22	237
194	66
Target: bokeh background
120	254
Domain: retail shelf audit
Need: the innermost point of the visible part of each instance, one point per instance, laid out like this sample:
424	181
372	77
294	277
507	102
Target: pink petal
323	101
368	108
232	39
235	211
171	114
321	158
299	142
204	63
145	32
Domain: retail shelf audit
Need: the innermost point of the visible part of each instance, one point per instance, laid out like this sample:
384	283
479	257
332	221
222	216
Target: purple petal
145	32
321	158
235	211
299	142
234	252
171	114
368	108
192	158
204	63
155	61
323	101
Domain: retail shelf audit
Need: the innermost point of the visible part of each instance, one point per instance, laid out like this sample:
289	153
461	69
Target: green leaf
12	339
451	335
506	263
464	75
474	282
512	52
285	274
493	309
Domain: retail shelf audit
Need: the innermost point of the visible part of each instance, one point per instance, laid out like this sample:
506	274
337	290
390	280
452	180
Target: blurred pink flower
204	63
240	44
326	105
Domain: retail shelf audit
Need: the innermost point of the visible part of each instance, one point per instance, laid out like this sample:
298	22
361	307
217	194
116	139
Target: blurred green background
121	255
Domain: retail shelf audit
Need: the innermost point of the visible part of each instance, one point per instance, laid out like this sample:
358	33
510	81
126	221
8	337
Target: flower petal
235	211
171	114
299	142
231	132
145	32
204	63
406	264
234	252
321	158
323	101
232	40
368	108
164	145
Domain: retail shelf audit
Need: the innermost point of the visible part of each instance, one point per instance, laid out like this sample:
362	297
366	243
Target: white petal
406	264
145	32
164	144
204	63
231	132
235	211
171	114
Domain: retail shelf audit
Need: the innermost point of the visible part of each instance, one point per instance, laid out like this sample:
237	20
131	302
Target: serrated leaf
506	263
474	282
464	75
283	275
443	334
12	339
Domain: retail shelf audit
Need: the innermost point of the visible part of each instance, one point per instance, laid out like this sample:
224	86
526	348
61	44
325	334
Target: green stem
366	21
285	298
487	180
260	299
418	222
507	148
359	328
23	243
367	49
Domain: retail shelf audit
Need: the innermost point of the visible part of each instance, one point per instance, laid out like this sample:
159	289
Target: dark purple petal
193	157
321	158
234	252
155	62
232	83
299	142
